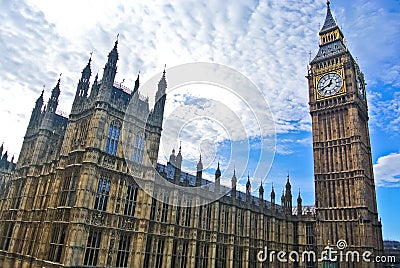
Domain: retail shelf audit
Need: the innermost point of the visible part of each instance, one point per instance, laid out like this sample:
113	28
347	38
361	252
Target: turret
179	158
4	157
160	98
110	70
178	165
83	84
53	101
95	88
137	83
199	173
261	193
288	196
248	188
172	158
233	184
217	180
299	205
283	203
36	112
272	195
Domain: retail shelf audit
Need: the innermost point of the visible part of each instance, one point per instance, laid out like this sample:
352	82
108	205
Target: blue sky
267	41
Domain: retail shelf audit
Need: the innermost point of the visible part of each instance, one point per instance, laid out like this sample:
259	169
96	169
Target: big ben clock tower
345	196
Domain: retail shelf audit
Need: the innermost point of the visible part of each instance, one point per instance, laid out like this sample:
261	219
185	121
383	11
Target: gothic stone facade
74	201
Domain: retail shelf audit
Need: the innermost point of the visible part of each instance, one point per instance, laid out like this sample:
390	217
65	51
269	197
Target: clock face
329	84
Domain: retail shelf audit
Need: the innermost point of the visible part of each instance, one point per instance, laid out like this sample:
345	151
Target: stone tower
345	196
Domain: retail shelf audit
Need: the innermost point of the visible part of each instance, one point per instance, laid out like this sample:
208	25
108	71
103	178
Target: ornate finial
60	76
165	67
117	36
328	3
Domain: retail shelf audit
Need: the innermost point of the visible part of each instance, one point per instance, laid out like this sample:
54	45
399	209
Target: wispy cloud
385	111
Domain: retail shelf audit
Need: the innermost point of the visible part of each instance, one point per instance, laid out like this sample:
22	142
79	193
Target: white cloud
385	112
387	170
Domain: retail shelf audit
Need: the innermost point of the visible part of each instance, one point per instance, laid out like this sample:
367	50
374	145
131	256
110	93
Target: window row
113	136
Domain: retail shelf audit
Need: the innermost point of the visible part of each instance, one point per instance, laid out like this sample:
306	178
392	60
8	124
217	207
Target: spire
179	157
162	86
233	184
87	70
83	84
160	98
199	164
299	200
199	173
39	101
272	194
172	157
217	179
113	55
5	156
248	188
217	172
299	205
137	83
288	185
261	192
330	22
37	111
248	184
94	89
110	70
178	165
1	149
53	101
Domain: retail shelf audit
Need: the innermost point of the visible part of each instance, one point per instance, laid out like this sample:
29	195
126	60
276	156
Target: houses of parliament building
74	198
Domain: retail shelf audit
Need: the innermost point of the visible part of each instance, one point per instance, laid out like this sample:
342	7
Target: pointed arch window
103	191
131	197
138	148
113	137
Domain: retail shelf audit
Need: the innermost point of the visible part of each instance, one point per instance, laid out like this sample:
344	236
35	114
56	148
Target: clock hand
330	83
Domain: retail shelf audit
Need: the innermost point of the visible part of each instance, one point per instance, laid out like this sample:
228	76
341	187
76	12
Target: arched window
113	137
138	148
131	196
103	191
